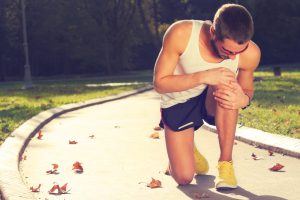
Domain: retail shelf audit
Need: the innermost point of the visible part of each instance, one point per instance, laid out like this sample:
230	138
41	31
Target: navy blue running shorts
186	115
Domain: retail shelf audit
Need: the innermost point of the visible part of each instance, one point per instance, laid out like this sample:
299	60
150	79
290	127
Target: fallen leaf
154	135
54	170
72	142
276	167
255	157
54	188
157	128
40	135
198	195
167	172
271	153
154	184
24	157
64	188
77	167
92	136
57	190
37	189
55	166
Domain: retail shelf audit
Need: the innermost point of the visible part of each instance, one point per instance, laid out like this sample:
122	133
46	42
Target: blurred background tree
110	36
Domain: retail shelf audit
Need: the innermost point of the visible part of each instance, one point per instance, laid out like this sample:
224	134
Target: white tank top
191	61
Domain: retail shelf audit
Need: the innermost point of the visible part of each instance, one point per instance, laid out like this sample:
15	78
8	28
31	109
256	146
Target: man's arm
243	88
248	63
174	44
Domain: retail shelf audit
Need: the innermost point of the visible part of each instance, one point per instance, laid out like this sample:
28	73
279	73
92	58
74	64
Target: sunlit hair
234	22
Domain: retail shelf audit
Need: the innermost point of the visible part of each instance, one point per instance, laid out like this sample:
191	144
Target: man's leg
226	121
181	156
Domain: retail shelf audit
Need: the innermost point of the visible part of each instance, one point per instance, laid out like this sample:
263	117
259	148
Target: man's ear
212	32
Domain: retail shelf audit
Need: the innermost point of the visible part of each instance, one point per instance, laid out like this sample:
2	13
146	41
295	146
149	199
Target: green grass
275	107
276	104
17	105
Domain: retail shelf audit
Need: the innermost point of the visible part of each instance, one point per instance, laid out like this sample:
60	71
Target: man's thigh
180	149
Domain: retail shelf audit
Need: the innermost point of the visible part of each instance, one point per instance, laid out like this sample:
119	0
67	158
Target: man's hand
231	96
219	76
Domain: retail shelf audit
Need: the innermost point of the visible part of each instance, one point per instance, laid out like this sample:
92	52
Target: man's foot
226	178
201	162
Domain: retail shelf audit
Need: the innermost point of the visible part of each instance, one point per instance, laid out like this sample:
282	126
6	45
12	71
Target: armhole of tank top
190	41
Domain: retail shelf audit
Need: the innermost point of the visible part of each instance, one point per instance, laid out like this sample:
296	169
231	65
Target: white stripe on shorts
185	125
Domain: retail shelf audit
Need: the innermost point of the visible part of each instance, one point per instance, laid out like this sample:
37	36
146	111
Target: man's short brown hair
234	22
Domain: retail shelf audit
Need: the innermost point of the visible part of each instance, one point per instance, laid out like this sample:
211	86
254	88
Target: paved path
121	158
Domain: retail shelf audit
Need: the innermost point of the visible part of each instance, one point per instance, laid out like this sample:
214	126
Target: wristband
248	103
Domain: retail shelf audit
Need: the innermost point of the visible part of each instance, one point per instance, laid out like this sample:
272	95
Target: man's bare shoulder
180	27
178	34
249	59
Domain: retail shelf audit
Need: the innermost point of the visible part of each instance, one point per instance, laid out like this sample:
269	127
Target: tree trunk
156	24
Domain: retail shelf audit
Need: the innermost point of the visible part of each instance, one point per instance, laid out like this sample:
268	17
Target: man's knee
183	177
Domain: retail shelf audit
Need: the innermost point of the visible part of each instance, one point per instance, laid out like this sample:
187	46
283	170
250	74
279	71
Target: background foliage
110	36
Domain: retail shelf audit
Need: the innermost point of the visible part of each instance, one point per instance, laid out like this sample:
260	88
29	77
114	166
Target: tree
115	18
2	38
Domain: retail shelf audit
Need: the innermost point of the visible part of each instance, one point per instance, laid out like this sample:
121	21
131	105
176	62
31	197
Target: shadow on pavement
206	182
242	192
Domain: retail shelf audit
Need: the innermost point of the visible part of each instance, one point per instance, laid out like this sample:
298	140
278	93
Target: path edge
12	186
277	143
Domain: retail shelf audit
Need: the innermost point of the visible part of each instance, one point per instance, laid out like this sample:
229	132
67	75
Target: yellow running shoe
226	178
200	161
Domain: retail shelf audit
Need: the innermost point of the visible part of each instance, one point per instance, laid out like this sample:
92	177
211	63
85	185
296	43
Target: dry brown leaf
167	172
154	184
37	189
57	190
77	167
40	135
24	157
255	157
54	170
72	142
154	135
198	195
271	153
92	136
276	167
157	128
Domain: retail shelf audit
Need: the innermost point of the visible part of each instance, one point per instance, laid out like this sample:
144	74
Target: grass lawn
17	105
276	104
275	107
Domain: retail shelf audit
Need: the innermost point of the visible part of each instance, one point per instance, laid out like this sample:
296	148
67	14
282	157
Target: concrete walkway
119	158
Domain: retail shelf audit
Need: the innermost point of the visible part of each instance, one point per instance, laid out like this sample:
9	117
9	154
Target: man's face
228	49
